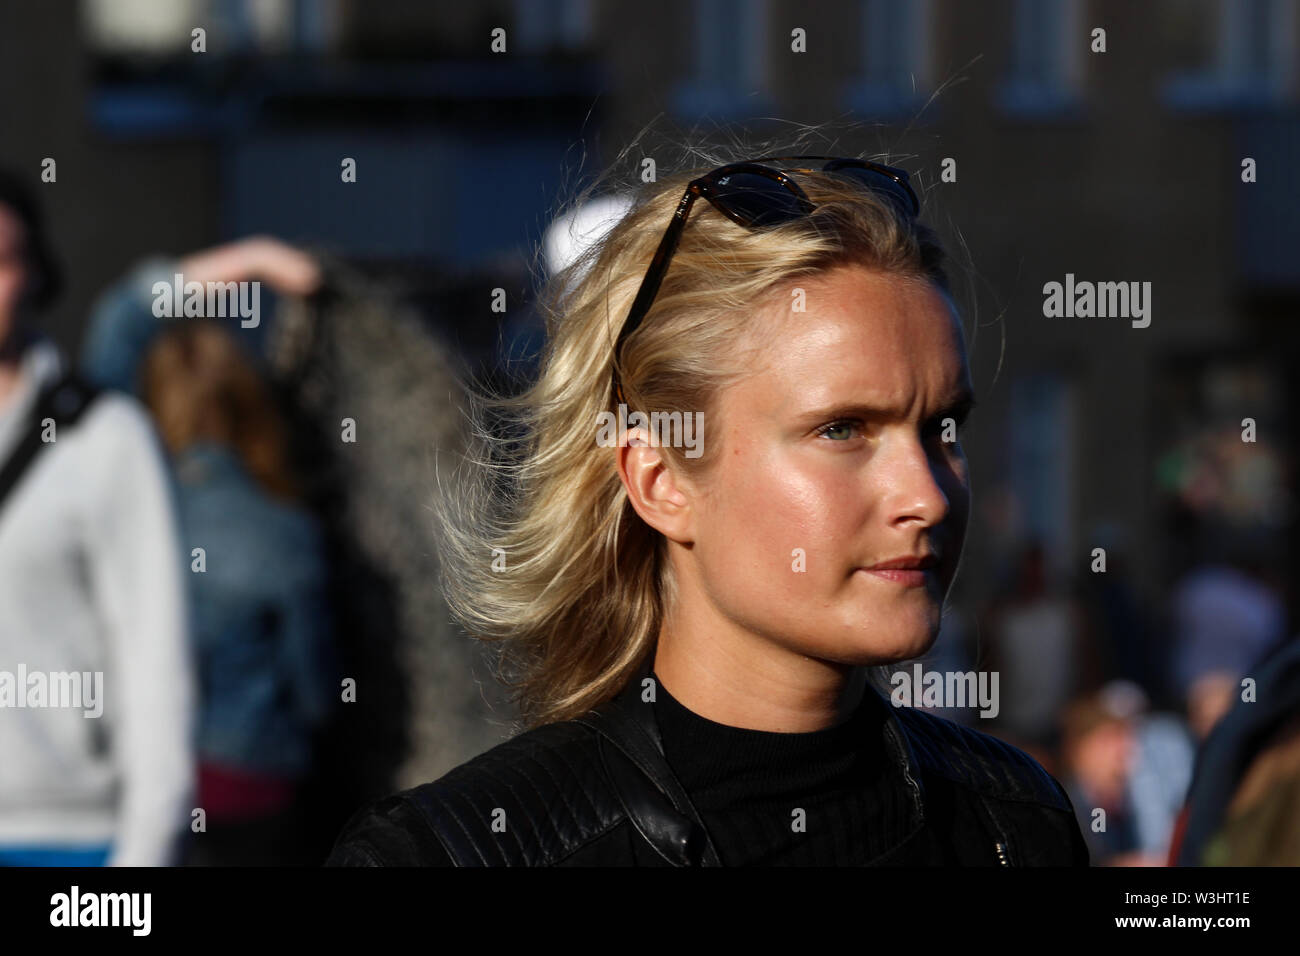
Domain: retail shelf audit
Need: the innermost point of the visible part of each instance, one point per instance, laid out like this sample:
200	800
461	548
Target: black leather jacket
597	791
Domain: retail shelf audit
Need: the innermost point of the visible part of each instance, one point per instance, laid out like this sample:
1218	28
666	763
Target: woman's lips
907	578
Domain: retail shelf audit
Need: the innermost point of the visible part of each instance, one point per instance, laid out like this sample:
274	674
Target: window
895	77
1247	53
1045	71
729	60
543	26
1042	443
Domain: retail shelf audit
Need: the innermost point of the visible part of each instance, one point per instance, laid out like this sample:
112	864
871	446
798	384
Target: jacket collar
626	716
664	815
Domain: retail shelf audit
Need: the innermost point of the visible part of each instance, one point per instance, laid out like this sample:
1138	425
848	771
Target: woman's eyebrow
962	403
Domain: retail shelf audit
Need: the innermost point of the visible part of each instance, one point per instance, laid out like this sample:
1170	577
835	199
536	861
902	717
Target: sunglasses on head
753	195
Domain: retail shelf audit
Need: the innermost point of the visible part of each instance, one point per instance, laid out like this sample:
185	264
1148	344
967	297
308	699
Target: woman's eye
838	431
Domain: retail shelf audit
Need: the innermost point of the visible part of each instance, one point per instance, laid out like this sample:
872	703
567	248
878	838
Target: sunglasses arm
654	274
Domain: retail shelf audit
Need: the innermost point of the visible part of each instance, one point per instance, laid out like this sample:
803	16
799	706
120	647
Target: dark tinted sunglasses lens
881	183
755	200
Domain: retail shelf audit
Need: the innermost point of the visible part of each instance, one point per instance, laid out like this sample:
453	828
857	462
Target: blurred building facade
1117	166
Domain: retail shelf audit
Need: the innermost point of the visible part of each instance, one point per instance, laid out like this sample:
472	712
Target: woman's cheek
814	521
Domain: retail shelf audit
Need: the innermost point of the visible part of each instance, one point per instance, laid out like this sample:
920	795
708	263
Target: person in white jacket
91	585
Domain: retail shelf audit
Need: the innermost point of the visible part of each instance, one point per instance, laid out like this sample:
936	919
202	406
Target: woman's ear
661	495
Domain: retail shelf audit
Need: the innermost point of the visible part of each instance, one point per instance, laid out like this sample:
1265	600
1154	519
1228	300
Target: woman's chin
873	648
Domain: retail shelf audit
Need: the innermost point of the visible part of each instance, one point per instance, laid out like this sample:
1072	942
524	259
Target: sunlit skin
832	443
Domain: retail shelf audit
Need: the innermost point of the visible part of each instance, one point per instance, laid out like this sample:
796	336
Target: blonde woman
734	488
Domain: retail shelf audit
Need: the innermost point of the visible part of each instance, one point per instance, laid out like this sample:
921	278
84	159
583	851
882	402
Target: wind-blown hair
543	556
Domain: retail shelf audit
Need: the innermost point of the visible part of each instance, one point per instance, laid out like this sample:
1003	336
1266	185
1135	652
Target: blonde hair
199	384
586	583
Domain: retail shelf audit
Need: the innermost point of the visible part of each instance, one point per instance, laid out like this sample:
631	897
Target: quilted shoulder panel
529	801
978	760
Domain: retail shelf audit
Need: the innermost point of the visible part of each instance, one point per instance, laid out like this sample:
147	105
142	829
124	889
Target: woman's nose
914	481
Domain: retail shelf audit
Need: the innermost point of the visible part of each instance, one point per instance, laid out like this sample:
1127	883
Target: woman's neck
744	680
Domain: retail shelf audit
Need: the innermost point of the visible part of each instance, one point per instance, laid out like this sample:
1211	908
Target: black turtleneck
746	785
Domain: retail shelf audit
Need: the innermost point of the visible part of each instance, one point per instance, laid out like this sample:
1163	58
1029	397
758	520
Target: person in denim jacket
258	581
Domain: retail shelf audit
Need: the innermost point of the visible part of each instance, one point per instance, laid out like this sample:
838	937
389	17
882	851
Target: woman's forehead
860	322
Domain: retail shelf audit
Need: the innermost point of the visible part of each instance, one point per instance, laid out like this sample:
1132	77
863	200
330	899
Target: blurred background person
1227	616
1131	762
1243	808
1034	645
1261	825
90	582
262	626
1097	750
1165	752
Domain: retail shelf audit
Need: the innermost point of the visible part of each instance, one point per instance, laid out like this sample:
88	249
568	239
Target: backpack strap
63	402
